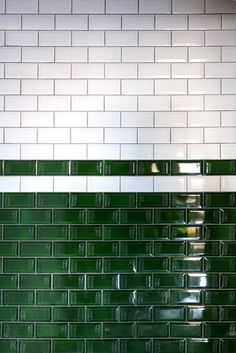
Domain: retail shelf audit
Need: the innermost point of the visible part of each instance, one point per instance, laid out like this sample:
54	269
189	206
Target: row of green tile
113	167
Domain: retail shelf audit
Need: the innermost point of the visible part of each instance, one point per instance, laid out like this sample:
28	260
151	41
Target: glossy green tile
203	216
119	232
101	346
68	216
9	216
53	199
68	281
119	297
36	346
229	215
135	281
203	248
218	264
64	346
35	313
185	296
169	280
127	199
203	345
103	249
152	200
186	232
152	265
87	167
222	167
85	297
153	232
85	330
228	280
8	248
52	297
186	330
68	314
170	216
138	346
220	232
69	249
51	330
35	282
53	167
218	330
228	313
214	297
229	248
86	199
219	199
119	330
202	280
8	313
19	167
186	167
8	346
52	232
18	265
19	200
8	281
186	200
136	216
152	330
169	248
35	249
52	265
202	313
120	265
110	216
187	264
169	313
102	282
228	346
36	216
169	345
18	330
87	232
120	168
140	313
102	314
152	297
153	168
138	248
86	265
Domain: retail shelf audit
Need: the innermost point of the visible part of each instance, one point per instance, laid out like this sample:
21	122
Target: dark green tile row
125	167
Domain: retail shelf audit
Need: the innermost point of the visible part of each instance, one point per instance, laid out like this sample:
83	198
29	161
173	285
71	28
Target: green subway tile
217	264
185	297
187	264
85	330
110	216
102	314
87	167
119	330
8	314
228	313
203	216
53	199
220	232
69	249
35	282
51	330
8	281
35	249
170	216
52	297
152	330
186	232
229	215
203	345
153	232
34	346
170	346
86	265
102	282
8	346
186	330
228	280
227	346
203	248
186	200
152	265
138	346
219	330
103	249
18	297
202	280
202	313
85	297
18	330
68	281
119	232
140	313
64	346
119	297
35	313
86	199
135	281
169	280
217	297
152	200
120	168
136	216
219	199
229	248
101	346
120	200
36	216
64	216
9	216
86	232
68	314
8	249
153	167
53	168
18	265
19	168
1	199
19	200
52	265
139	248
152	297
52	232
169	313
217	167
169	248
186	167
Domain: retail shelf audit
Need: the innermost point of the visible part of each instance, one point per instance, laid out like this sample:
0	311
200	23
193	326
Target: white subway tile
69	183
205	54
229	54
20	103
171	22
10	151
71	54
155	6
137	119
2	6
70	151
101	151
137	87
10	54
228	118
54	6
120	135
33	54
170	184
37	87
122	70
155	38
103	184
187	102
205	119
153	135
38	22
121	38
223	38
171	54
70	119
1	102
138	54
186	135
20	70
118	103
70	87
138	22
9	86
104	22
228	151
121	6
53	135
201	86
188	6
35	151
37	119
86	135
219	6
88	38
229	21
2	36
171	86
90	70
71	22
153	103
170	119
203	151
54	38
9	184
101	54
228	183
88	6
1	135
21	6
53	103
229	86
220	135
103	119
204	22
87	103
135	151
53	70
154	70
21	38
191	70
103	86
10	22
203	183
188	38
136	184
9	119
36	184
20	135
220	102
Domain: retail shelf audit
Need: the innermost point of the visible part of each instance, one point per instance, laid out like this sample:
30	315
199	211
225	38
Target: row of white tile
117	184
